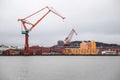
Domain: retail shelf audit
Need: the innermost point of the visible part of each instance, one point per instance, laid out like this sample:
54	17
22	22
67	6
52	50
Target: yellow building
85	48
92	45
83	45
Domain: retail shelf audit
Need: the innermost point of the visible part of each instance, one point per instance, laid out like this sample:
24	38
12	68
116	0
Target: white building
4	48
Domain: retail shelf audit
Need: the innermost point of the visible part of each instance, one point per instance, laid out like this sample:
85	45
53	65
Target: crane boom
33	25
38	21
69	37
26	31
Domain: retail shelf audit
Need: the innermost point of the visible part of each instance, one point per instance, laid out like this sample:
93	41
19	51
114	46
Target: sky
97	20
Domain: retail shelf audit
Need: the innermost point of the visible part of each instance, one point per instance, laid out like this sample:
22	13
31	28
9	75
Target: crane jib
26	22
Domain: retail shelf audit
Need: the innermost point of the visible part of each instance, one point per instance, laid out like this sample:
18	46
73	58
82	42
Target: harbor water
59	68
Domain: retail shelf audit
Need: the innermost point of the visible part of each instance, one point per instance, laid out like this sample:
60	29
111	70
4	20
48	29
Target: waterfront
59	67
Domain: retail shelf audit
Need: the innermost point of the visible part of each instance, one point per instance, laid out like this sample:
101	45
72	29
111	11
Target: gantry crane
69	37
26	31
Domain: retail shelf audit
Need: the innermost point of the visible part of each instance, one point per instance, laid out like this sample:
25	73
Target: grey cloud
99	17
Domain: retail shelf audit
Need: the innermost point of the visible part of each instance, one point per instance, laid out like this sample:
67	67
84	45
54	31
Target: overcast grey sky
97	20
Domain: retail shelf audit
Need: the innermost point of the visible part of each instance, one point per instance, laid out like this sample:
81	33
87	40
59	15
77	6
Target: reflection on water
23	71
60	68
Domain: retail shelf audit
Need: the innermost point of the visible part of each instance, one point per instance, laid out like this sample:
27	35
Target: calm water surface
60	68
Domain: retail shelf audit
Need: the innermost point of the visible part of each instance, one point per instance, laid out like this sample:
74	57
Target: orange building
83	45
85	48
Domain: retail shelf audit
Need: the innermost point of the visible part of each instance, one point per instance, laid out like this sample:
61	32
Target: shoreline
64	55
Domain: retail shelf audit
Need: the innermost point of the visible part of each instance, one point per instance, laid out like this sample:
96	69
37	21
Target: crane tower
25	22
69	37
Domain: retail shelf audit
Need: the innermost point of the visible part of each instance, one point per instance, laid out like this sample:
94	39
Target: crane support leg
26	48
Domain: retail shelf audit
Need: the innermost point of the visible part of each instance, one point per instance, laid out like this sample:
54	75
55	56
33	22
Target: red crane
26	31
69	37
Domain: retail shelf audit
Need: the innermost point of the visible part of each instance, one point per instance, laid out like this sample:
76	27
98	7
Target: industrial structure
85	48
69	37
63	47
25	22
